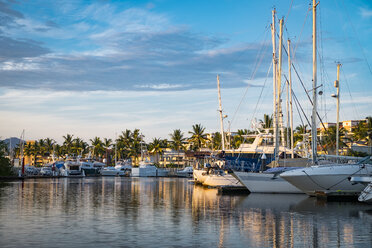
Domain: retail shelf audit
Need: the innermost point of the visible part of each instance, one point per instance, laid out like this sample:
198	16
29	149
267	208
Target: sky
96	68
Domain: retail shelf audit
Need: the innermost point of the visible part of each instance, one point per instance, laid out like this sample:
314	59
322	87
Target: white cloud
19	66
160	86
365	13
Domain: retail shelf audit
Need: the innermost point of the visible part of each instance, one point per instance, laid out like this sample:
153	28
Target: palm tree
135	145
49	143
329	140
97	146
267	121
67	143
123	143
216	141
156	147
177	142
28	150
239	138
107	143
198	138
299	132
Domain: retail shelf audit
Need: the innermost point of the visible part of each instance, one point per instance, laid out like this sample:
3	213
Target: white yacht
71	168
120	169
331	179
90	167
148	169
186	172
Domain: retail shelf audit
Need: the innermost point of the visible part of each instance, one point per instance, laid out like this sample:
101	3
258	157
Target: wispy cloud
365	12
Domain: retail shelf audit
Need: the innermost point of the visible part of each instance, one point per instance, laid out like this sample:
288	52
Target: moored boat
331	179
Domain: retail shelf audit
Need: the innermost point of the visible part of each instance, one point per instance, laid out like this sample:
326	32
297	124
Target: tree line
130	142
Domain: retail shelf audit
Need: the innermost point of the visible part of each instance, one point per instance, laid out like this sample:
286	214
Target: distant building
348	125
327	125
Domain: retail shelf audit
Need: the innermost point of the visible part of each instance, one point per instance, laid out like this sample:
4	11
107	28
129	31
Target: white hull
199	175
266	183
226	180
187	172
330	180
150	171
144	172
112	172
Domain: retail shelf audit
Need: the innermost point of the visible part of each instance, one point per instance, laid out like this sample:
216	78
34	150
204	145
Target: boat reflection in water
170	212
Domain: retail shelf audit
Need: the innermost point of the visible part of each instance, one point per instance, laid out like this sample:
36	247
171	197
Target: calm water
171	212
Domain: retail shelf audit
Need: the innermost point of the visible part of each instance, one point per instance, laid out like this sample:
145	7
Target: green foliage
198	138
5	165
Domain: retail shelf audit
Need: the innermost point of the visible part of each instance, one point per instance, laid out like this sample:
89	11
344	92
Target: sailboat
269	181
217	176
332	179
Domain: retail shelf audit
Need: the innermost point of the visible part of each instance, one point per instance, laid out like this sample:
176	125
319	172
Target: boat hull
226	180
112	173
199	175
266	183
332	180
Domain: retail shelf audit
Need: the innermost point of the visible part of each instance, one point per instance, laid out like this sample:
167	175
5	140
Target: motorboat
89	168
121	169
71	168
186	172
46	171
330	179
148	169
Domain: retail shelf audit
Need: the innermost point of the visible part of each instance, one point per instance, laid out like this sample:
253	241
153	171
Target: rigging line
302	110
308	122
347	85
263	87
299	37
259	58
299	114
356	37
289	10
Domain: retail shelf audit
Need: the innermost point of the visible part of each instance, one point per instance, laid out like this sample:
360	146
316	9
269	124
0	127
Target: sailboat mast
279	84
275	122
337	85
290	95
116	147
313	117
220	110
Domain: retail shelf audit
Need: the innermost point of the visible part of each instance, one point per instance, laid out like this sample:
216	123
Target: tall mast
279	83
275	122
337	85
290	95
116	147
313	117
220	110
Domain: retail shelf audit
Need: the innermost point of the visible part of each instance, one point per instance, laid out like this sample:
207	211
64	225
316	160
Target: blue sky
96	68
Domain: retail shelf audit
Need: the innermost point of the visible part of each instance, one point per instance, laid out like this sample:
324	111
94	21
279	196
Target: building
350	124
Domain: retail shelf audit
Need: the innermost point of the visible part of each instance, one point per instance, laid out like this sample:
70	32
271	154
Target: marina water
171	212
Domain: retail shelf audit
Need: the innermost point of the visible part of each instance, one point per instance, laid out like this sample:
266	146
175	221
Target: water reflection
170	212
